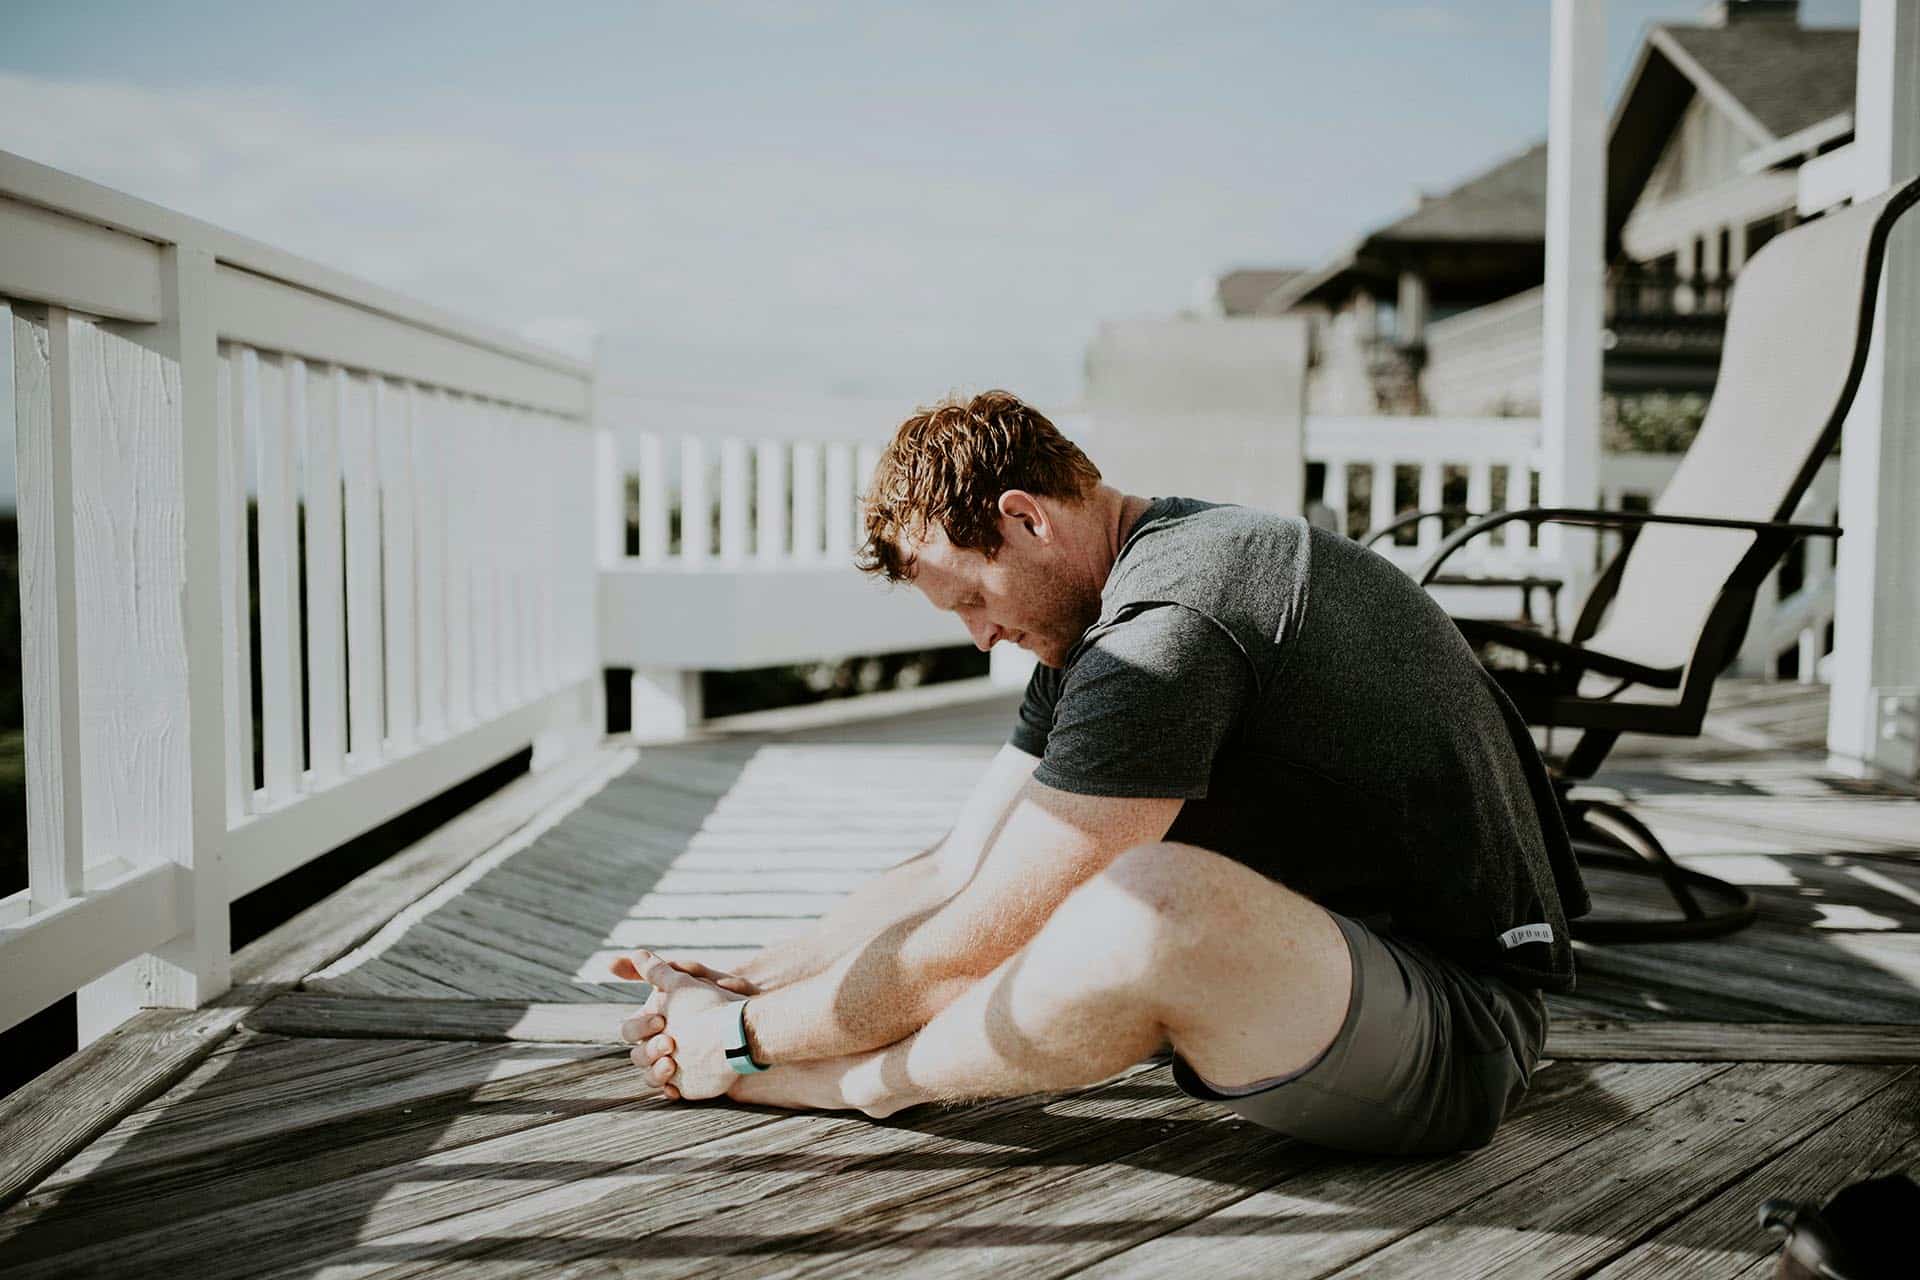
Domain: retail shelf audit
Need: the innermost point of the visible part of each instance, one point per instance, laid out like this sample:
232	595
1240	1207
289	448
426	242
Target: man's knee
1177	901
1156	899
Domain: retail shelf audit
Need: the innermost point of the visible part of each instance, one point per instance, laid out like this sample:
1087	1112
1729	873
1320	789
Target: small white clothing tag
1526	933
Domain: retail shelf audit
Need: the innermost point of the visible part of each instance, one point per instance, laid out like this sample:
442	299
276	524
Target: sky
873	200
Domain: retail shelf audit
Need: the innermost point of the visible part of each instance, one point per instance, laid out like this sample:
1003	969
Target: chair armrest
1412	518
1782	529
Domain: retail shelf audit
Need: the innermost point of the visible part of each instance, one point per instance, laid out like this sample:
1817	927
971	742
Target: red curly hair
946	468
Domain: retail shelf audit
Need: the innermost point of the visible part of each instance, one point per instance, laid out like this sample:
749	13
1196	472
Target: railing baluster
482	528
550	472
867	461
457	516
735	502
430	541
526	471
235	596
1432	473
365	693
1333	491
326	578
806	502
276	404
840	509
696	508
653	500
526	468
393	437
770	511
1520	497
37	368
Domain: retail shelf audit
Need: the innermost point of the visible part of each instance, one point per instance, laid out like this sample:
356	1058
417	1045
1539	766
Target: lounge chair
1669	610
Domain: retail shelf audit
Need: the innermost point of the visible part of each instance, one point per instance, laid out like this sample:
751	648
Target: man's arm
1050	843
909	889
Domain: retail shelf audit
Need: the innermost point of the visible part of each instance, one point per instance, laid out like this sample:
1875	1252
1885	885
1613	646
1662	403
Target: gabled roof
1785	76
1242	291
1506	204
1773	79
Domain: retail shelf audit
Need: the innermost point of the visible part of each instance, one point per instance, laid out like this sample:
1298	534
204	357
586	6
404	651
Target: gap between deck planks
45	1122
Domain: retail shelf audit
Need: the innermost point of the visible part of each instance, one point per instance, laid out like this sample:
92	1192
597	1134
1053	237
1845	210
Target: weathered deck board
570	1152
1564	1221
1352	1208
1723	1238
556	1022
60	1113
464	1106
1051	1218
445	1100
1644	1041
559	909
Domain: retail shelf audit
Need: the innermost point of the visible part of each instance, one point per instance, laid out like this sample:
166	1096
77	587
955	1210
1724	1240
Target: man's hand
680	1035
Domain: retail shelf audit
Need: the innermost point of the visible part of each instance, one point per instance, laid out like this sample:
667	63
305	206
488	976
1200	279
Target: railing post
160	753
1576	228
49	643
1874	714
666	703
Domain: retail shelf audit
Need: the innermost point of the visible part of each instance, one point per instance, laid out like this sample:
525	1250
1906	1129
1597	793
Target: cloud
749	266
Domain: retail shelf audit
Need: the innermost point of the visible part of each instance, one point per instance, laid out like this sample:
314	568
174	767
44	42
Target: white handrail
408	634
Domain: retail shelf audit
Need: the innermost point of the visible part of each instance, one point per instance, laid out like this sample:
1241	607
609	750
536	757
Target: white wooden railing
1487	464
422	573
721	552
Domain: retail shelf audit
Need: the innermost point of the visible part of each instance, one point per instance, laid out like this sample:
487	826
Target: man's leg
1246	978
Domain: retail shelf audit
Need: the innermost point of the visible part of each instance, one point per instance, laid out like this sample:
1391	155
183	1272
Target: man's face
1022	595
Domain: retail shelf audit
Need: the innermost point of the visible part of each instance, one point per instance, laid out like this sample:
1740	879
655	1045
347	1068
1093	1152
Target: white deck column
1576	227
1874	720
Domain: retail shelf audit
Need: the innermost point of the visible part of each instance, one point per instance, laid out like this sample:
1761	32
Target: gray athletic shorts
1429	1059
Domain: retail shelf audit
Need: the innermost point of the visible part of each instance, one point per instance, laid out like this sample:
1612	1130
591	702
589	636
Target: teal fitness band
739	1056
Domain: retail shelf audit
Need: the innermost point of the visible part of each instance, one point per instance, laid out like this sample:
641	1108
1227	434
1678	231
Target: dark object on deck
1868	1231
1671	608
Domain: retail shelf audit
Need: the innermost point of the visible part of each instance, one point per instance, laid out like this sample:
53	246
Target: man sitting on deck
1261	804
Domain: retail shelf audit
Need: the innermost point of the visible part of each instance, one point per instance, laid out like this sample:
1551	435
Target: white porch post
1874	720
1576	227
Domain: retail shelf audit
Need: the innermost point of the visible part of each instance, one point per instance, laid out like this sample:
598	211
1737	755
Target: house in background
1369	309
1440	312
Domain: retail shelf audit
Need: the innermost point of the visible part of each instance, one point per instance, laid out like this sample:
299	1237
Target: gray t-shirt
1327	726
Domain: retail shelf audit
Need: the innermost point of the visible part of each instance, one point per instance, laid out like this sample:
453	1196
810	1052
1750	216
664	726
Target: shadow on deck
442	1097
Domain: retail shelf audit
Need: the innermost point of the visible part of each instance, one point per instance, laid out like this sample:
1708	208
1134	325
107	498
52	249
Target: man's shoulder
1243	569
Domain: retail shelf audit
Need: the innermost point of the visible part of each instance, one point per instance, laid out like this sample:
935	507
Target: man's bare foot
831	1085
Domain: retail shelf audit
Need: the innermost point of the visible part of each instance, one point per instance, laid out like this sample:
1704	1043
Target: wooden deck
438	1095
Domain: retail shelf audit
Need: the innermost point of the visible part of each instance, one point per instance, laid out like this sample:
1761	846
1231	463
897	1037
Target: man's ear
1024	508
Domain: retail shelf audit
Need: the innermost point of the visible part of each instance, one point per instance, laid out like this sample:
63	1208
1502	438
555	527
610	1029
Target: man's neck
1118	513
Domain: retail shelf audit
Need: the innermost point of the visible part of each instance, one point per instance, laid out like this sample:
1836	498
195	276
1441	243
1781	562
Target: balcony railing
207	710
1661	315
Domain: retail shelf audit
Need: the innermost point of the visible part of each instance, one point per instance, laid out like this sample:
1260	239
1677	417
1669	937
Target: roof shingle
1788	77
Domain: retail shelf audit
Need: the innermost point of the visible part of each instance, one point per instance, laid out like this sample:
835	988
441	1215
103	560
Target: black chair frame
1605	833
